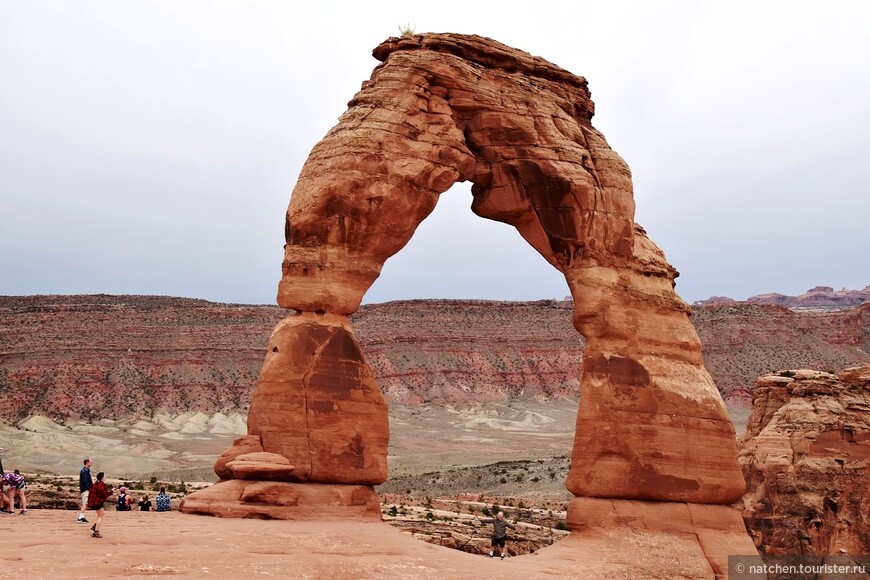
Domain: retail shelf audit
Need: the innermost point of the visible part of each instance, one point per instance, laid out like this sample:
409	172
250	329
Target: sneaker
22	512
502	556
82	520
96	534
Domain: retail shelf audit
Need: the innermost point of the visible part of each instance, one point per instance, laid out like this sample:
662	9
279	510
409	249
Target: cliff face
806	459
114	356
471	352
743	341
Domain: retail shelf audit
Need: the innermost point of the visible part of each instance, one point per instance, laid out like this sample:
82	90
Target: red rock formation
237	498
444	108
806	459
317	404
713	531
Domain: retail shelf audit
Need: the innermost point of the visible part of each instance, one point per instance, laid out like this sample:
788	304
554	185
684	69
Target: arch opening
454	254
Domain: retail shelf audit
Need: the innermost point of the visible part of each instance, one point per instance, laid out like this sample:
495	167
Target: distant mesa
818	297
716	300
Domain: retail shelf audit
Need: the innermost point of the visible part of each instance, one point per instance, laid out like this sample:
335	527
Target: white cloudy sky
150	147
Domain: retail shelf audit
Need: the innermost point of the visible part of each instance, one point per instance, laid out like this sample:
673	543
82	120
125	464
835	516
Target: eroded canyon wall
806	459
141	355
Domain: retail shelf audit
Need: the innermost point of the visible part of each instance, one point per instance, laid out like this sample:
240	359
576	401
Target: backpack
122	503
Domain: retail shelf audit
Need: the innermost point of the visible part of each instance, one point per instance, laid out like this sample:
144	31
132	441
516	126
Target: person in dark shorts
97	496
499	534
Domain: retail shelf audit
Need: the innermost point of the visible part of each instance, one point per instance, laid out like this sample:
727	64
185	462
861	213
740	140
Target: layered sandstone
743	341
806	459
103	357
145	355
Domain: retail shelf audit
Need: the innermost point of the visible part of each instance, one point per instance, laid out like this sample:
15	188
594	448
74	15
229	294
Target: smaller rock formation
806	459
317	432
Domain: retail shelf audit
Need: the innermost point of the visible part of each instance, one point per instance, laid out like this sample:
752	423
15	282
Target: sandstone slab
708	534
284	501
262	466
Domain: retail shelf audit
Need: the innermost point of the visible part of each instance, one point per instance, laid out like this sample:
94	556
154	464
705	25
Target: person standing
2	491
97	496
499	534
85	483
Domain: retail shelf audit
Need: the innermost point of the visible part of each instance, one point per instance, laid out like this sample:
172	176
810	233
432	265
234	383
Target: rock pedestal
317	432
709	533
443	108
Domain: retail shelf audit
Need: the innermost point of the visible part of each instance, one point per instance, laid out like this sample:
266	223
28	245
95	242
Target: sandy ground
50	544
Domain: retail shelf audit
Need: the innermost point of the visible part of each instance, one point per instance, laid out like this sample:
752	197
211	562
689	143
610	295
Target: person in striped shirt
16	482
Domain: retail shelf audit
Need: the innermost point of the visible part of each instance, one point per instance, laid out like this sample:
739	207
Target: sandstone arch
443	108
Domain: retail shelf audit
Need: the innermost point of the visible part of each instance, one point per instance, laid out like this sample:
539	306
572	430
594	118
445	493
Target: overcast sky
151	147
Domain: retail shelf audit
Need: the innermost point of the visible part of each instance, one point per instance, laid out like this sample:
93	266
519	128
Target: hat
123	489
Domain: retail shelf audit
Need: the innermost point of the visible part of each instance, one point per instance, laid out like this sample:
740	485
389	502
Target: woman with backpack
123	500
97	496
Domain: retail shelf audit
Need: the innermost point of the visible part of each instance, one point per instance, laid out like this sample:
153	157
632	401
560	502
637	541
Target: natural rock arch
443	108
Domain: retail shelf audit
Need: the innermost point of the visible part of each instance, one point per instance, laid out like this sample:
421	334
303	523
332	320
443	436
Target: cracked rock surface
806	458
